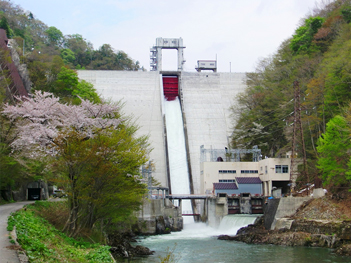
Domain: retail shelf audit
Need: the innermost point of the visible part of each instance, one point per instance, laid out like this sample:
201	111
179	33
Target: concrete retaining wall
287	207
159	216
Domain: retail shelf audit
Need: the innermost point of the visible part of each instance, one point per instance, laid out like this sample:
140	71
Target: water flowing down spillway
177	157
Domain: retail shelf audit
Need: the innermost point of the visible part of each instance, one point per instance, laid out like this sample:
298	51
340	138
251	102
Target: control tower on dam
205	100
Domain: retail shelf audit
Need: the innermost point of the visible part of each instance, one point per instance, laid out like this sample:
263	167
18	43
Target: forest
301	96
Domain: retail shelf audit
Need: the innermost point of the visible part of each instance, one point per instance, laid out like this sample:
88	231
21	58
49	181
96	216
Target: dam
205	99
201	100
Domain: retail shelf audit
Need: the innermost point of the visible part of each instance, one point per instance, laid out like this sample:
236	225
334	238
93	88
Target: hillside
327	208
304	88
40	44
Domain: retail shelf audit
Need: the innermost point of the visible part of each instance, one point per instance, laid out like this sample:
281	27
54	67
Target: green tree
68	56
66	82
105	186
81	48
333	149
69	88
302	40
346	14
11	171
337	68
85	90
5	25
55	36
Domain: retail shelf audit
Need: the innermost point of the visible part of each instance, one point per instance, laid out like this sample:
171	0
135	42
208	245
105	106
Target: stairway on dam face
207	98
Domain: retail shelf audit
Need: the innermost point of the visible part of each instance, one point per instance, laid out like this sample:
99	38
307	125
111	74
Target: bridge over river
187	196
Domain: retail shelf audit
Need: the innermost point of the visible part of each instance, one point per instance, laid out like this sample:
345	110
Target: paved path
8	255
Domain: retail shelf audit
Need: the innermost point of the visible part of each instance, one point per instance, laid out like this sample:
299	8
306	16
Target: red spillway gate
170	87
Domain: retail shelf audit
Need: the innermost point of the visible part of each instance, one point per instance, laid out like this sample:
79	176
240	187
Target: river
199	243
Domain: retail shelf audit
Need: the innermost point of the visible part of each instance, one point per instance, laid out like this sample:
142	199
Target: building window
282	169
227	171
249	171
227	181
265	169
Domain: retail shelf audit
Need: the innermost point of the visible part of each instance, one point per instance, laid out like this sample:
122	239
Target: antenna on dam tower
298	142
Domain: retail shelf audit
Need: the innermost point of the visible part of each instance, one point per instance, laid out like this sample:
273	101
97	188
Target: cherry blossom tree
40	119
94	148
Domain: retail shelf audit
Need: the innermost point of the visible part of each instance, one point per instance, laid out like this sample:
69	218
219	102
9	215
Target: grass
44	243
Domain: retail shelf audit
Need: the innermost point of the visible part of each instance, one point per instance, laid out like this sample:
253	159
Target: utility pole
298	143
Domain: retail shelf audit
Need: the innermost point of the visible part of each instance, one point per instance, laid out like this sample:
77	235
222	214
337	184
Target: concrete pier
159	216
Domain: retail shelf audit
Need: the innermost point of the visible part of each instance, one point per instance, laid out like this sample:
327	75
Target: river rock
121	247
344	250
126	250
341	229
142	251
225	237
302	233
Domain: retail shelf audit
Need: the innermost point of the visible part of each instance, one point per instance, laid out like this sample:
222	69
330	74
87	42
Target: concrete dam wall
205	98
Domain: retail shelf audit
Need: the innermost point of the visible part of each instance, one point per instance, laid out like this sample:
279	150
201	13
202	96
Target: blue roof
248	180
225	186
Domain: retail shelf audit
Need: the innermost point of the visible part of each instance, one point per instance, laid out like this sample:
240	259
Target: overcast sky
238	32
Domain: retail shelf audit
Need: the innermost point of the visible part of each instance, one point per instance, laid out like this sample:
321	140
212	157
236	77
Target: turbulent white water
178	165
230	224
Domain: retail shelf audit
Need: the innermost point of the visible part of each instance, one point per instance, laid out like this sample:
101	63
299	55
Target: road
8	255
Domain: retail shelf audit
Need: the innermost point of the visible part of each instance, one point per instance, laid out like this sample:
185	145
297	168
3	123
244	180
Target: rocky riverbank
121	246
322	222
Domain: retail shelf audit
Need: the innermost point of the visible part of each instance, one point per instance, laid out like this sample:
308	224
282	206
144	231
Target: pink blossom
40	119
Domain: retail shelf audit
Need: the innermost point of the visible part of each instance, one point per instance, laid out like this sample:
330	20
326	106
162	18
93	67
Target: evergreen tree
5	25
